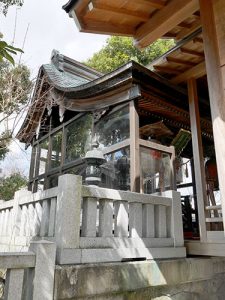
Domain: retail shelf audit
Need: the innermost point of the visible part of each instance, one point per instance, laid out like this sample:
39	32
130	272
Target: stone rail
27	216
29	275
92	224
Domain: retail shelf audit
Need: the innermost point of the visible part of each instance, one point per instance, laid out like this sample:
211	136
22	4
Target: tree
6	51
15	88
5	4
120	50
11	184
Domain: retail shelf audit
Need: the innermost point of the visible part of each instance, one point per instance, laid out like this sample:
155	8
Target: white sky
49	28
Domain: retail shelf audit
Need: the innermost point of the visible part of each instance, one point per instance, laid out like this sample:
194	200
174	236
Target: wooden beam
195	72
164	20
184	25
134	149
198	40
191	52
96	27
186	31
76	19
212	14
198	156
102	100
180	61
120	11
169	35
153	3
166	69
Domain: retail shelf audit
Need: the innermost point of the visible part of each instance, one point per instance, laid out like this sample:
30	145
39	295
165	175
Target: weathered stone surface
43	281
179	279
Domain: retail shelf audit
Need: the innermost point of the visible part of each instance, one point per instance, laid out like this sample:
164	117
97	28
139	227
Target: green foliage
5	4
11	184
120	50
15	87
5	138
6	52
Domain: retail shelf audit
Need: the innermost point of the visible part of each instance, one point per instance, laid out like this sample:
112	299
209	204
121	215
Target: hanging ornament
186	171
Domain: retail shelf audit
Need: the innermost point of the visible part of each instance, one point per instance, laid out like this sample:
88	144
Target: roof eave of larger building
69	5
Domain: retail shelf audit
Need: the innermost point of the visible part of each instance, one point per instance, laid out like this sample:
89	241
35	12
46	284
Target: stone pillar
43	273
68	209
176	218
213	23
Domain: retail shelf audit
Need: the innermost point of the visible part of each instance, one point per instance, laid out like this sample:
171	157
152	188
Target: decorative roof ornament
62	110
97	114
57	60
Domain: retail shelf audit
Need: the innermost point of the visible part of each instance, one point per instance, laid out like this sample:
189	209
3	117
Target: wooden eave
145	20
186	60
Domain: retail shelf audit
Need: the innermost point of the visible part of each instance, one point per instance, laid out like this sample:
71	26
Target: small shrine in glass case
126	130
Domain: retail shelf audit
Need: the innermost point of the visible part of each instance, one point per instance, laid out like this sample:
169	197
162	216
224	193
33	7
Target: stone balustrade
30	275
26	217
92	224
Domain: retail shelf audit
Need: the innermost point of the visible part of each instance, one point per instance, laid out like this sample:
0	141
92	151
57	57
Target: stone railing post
176	220
40	280
67	228
16	217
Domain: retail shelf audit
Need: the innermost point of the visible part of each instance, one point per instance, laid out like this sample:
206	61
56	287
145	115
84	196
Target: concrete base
175	279
83	256
207	249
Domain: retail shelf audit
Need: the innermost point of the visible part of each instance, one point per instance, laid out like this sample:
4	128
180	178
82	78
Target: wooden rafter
195	72
118	29
192	52
166	69
153	3
198	40
121	12
186	31
180	61
184	25
170	35
165	20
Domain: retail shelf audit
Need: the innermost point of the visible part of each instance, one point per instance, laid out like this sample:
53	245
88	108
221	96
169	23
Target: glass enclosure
116	170
63	149
56	151
113	128
78	138
155	170
43	148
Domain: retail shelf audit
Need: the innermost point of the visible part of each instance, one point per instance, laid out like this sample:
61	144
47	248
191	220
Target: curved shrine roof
74	86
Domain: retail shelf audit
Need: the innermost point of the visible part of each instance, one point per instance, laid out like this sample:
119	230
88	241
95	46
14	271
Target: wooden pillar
213	23
198	156
134	149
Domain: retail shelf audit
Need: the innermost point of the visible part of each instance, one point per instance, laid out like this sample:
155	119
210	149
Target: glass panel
33	162
113	128
116	171
78	138
155	170
43	156
56	150
40	185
